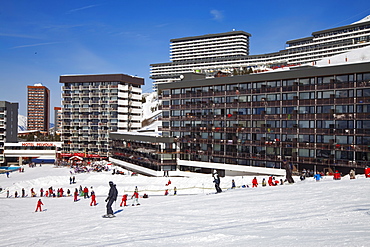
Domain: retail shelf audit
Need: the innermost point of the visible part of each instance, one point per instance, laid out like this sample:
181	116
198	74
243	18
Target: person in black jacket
216	180
112	197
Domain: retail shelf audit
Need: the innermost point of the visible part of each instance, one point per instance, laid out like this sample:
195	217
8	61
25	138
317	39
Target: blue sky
41	40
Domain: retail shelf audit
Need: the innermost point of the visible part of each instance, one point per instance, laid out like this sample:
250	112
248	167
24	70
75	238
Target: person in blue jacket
317	177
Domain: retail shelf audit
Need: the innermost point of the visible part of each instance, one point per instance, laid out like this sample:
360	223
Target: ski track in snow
307	213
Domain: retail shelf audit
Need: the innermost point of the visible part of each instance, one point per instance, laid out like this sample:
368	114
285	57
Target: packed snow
306	213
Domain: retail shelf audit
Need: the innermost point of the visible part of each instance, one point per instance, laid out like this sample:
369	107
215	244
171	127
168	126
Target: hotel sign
38	144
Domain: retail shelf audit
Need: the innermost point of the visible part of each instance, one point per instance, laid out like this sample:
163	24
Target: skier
75	195
41	192
336	175
254	182
23	192
263	182
112	196
352	174
93	200
270	181
317	177
217	182
168	183
136	197
86	192
174	191
7	194
367	172
124	199
33	194
233	184
39	203
166	192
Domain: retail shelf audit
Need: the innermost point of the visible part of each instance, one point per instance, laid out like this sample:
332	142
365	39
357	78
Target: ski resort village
227	149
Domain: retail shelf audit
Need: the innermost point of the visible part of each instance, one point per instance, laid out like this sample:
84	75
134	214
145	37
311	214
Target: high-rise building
38	108
8	125
206	54
57	119
94	105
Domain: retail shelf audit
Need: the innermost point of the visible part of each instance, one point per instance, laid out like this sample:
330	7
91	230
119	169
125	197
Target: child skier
93	201
124	199
75	195
33	194
136	197
39	203
254	182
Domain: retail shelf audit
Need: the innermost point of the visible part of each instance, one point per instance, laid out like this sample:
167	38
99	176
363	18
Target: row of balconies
266	89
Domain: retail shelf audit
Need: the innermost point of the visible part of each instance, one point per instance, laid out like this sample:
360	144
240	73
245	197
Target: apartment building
309	117
8	126
94	105
188	56
57	119
38	107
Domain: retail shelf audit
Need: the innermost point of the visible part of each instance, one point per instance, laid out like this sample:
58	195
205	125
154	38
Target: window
288	110
273	110
325	109
344	139
344	94
344	109
344	78
289	124
175	91
363	92
289	96
307	81
307	124
307	95
325	94
272	97
325	80
325	124
363	108
306	138
363	124
306	110
287	83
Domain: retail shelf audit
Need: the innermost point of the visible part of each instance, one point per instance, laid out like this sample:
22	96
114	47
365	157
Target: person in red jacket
75	195
254	182
93	198
124	199
336	175
136	197
86	192
367	172
39	203
270	182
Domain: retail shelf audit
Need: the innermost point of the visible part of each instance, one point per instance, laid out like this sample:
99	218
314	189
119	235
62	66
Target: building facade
308	117
319	45
57	119
94	105
8	126
145	153
38	107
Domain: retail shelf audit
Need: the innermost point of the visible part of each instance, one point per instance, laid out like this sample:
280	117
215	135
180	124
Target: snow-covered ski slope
308	213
